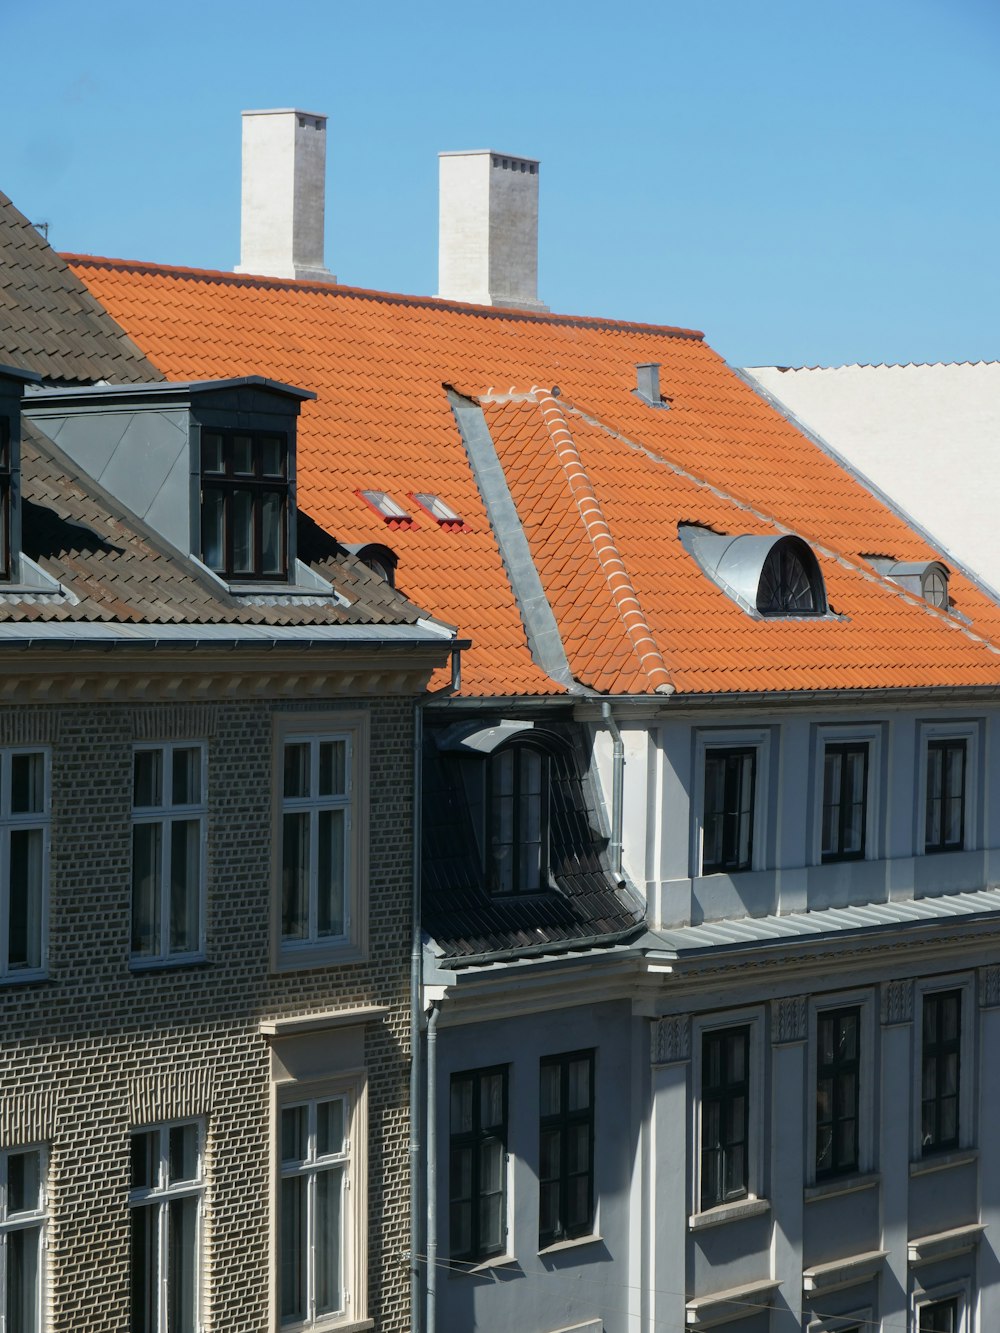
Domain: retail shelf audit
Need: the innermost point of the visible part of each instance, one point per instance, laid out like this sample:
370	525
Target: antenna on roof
43	227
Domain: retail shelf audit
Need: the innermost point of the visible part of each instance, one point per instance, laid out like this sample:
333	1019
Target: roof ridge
76	261
879	365
599	532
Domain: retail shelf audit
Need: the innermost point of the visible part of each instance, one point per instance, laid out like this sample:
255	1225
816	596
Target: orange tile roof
600	480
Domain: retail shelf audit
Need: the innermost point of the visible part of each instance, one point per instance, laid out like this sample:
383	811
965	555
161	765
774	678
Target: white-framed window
22	1224
944	1024
729	827
25	808
320	870
728	1080
947	798
846	805
321	1206
944	1309
842	1077
165	1202
169	841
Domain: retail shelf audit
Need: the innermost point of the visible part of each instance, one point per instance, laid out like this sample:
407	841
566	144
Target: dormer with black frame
13	382
769	577
208	465
923	578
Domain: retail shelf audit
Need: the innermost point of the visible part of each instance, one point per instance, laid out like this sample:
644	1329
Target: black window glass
518	815
838	1065
725	1115
790	583
728	812
845	795
566	1147
940	1070
945	811
244	504
477	1171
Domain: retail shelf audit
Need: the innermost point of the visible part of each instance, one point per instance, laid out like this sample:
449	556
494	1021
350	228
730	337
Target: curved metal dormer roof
767	576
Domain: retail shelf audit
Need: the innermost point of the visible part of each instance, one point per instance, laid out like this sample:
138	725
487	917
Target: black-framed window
730	779
518	819
725	1115
566	1147
478	1163
939	1316
845	801
244	504
838	1070
790	581
944	828
940	1070
6	481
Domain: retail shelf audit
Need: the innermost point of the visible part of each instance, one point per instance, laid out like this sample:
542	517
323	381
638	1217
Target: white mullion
162	1227
311	1209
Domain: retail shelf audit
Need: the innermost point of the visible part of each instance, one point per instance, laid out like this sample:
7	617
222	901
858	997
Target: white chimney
488	231
284	189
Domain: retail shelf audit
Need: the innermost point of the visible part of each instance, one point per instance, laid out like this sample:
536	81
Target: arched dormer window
517	819
790	581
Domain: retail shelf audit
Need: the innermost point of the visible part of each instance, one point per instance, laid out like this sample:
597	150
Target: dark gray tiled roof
49	322
584	902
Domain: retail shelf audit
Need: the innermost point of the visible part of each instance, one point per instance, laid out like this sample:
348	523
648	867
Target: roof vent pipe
488	229
284	195
648	383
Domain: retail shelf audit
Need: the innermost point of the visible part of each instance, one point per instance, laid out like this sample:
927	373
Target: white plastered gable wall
926	435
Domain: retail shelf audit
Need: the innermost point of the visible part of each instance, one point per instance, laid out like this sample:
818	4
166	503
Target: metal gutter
617	789
432	1169
556	948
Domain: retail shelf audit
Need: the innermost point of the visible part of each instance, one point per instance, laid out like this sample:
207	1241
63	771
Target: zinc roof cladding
49	321
111	568
720	456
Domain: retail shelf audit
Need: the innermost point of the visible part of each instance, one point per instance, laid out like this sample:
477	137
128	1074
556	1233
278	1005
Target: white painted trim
717	738
962	1289
968	1079
837	734
970	730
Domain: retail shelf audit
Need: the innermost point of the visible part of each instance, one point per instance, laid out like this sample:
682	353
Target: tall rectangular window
845	799
168	852
940	1069
728	810
478	1169
165	1204
725	1115
24	836
22	1219
315	1151
317	786
944	826
938	1316
838	1066
566	1147
518	819
244	504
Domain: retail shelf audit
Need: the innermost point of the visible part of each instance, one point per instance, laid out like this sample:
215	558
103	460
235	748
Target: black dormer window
518	820
790	581
6	477
244	504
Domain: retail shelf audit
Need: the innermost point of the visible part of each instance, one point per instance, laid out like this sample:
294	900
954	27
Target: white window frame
752	1018
747	738
967	1073
969	731
8	823
352	1087
159	1197
352	946
961	1289
165	814
35	1218
865	1001
870	735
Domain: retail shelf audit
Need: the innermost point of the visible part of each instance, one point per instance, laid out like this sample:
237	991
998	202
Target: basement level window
437	509
386	507
244	505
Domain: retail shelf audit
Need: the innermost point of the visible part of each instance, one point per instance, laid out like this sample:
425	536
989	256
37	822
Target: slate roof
599	478
49	322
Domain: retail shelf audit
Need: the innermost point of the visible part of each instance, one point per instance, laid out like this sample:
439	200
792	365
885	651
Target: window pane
331	855
23	1248
297	770
144	1270
241	518
461	1105
329	1193
182	1249
242	455
460	1223
295	877
24	1182
491	1222
145	1161
213	529
146	869
24	925
551	1099
294	1133
27	784
185	881
272	532
183	1153
329	1127
293	1248
147	778
491	1112
333	768
186	777
272	456
579	1084
211	452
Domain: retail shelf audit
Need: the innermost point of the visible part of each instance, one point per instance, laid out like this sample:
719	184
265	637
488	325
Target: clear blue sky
808	182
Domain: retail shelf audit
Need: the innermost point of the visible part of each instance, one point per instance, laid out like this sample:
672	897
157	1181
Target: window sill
728	1212
470	1268
318	955
839	1185
167	964
925	1166
24	978
574	1243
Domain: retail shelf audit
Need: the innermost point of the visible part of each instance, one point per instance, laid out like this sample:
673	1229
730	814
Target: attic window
437	509
790	582
244	504
6	474
386	507
770	577
924	578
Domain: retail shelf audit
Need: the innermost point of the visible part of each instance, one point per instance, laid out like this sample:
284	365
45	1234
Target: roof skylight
436	507
386	506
